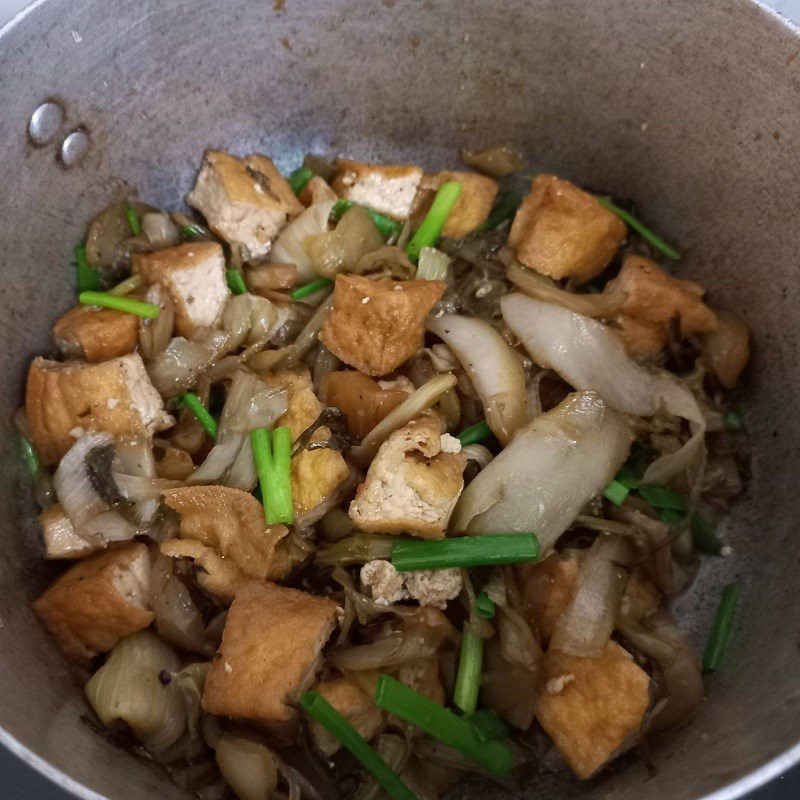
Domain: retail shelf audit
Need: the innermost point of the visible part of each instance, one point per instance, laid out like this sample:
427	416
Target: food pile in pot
371	478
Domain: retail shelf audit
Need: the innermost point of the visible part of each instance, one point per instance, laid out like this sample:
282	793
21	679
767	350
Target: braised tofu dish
370	478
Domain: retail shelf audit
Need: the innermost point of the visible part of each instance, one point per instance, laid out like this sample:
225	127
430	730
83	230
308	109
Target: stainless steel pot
689	108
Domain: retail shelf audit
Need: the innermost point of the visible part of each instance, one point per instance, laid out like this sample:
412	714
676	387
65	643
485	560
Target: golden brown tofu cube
564	232
231	521
194	276
272	638
96	334
471	209
316	474
355	705
653	303
547	591
412	484
361	399
389	190
592	707
375	326
245	201
98	601
64	399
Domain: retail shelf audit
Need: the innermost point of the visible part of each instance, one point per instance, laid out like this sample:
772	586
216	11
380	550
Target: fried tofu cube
564	232
60	538
471	209
245	201
412	484
98	601
96	334
194	276
592	707
231	521
272	639
64	399
316	474
653	302
375	326
355	705
389	190
547	590
362	399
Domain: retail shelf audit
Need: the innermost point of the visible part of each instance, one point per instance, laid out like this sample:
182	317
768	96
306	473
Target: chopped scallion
273	467
468	679
191	401
734	421
645	233
236	281
106	300
191	230
33	462
616	492
484	605
627	477
672	517
475	433
660	497
505	207
316	706
442	724
133	220
721	630
311	288
464	551
704	535
300	178
431	228
88	278
387	226
488	725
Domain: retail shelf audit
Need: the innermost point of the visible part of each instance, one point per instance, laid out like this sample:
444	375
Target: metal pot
689	108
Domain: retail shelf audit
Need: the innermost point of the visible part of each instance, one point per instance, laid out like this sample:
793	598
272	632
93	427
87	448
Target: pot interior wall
690	109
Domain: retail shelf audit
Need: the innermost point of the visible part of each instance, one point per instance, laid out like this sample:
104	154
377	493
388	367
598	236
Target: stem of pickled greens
616	492
274	473
106	300
478	432
428	233
505	207
721	630
127	286
470	665
485	606
645	233
316	706
442	724
300	178
133	220
465	551
191	401
387	227
358	549
236	281
88	278
311	288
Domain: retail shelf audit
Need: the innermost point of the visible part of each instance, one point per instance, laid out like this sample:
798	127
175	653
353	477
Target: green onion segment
429	231
133	220
616	492
300	178
88	278
645	233
311	288
386	225
505	207
485	606
191	401
721	630
106	300
475	433
488	725
470	665
272	455
192	230
236	281
662	498
464	551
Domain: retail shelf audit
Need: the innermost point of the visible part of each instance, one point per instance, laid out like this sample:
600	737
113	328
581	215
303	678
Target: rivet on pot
45	122
75	147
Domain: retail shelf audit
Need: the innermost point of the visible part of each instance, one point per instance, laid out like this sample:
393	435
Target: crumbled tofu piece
411	485
194	276
62	396
316	474
245	201
450	444
425	678
547	591
597	713
389	190
60	538
433	587
379	336
471	209
363	400
382	582
272	639
96	334
315	191
98	601
229	520
654	302
556	685
564	232
355	705
217	575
